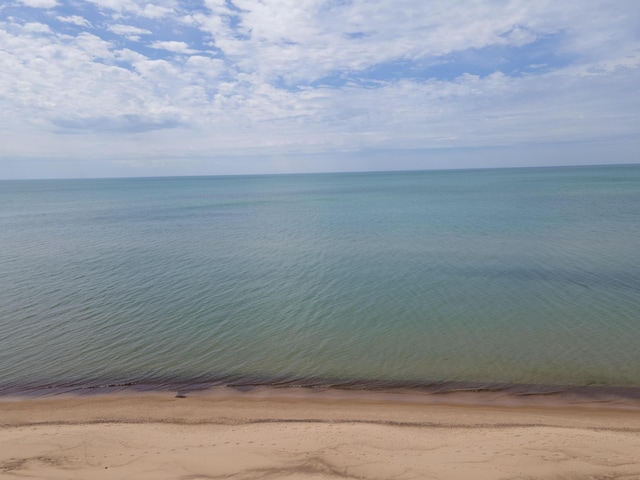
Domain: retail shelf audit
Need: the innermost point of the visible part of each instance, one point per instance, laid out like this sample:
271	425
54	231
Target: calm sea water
516	276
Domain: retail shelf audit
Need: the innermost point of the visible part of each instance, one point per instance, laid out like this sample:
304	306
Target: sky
102	88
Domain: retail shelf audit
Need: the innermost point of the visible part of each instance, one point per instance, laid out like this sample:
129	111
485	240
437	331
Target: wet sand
308	436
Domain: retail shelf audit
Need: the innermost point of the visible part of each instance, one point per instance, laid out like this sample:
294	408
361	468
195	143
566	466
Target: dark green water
518	276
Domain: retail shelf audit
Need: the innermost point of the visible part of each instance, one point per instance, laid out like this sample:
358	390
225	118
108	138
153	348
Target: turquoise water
514	276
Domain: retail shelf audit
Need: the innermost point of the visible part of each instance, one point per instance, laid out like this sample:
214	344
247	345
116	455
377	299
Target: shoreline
451	393
311	435
483	391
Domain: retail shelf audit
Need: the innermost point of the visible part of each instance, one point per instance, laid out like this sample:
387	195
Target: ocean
525	279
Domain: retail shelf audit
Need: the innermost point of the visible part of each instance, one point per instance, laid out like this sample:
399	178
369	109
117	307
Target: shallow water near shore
525	279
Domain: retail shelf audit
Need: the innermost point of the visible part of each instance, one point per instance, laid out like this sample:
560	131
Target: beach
305	435
473	324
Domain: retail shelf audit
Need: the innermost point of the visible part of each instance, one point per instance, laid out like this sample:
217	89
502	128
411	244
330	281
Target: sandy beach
248	436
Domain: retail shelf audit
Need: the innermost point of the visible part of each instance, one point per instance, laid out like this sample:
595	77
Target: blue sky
92	88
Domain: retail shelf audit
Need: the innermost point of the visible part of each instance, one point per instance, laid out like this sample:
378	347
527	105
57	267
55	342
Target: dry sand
314	437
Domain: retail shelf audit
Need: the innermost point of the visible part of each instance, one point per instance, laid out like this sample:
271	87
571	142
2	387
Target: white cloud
306	40
129	31
37	27
118	5
303	40
155	11
172	46
76	20
312	77
39	3
144	8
